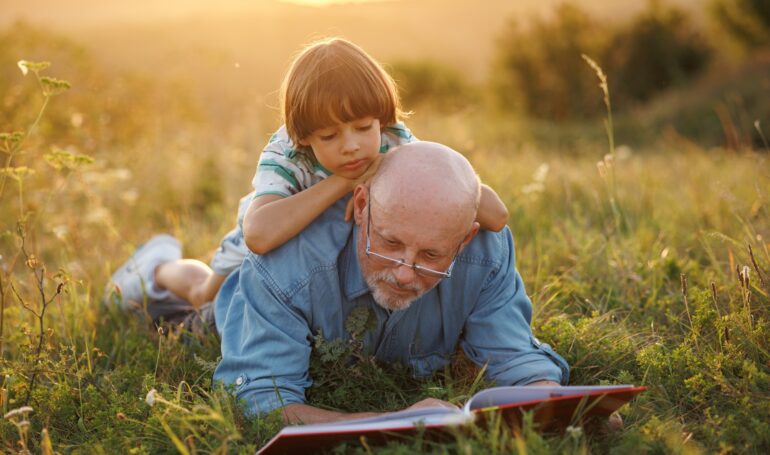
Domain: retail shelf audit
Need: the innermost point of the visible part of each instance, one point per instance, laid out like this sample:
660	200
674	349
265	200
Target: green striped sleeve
276	193
277	168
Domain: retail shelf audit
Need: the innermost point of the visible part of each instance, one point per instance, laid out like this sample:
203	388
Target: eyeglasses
390	262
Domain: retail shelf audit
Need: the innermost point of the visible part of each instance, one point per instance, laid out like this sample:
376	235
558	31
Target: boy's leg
189	279
134	282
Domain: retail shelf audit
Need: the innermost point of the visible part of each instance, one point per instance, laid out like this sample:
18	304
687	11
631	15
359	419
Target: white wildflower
23	67
150	398
575	432
18	411
541	173
60	231
623	152
76	119
602	168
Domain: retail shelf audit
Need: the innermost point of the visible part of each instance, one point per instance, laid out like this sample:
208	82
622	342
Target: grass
675	298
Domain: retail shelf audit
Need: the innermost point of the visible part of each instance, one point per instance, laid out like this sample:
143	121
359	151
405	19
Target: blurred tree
431	83
660	48
539	71
746	20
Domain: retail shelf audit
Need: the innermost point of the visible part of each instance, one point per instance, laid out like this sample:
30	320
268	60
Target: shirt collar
353	281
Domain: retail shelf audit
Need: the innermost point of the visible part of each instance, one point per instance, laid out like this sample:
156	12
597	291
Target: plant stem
23	139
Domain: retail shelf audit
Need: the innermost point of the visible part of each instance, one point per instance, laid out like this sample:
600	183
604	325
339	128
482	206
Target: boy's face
346	149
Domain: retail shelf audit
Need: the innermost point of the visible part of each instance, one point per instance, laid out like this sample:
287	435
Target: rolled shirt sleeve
497	332
265	342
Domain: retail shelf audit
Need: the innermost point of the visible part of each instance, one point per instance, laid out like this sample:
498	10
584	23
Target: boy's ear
360	199
304	142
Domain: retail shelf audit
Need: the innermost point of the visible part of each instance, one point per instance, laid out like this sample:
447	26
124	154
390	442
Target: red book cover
553	408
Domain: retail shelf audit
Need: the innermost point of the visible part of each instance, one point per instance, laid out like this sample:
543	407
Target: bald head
426	180
416	216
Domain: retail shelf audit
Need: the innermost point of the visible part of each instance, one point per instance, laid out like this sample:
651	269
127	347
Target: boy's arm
492	214
271	220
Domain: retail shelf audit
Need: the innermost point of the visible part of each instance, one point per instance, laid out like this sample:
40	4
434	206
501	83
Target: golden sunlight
327	2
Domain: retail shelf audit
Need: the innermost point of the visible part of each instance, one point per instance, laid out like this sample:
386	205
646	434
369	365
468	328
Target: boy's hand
369	172
363	178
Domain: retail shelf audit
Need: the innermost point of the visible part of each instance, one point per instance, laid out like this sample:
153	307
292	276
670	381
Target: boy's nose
350	144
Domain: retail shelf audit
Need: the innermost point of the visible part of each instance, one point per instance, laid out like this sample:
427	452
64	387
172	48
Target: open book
553	408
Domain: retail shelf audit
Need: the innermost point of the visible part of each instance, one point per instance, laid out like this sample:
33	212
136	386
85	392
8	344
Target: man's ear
471	234
360	199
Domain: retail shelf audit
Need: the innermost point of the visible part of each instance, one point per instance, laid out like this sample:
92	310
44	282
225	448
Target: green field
652	268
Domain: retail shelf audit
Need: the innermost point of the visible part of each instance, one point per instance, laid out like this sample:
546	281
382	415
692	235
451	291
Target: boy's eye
364	127
327	137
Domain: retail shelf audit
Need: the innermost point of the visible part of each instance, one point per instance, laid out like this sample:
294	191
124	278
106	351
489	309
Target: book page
401	419
498	396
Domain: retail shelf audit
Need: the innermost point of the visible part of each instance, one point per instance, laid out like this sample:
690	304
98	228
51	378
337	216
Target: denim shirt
268	311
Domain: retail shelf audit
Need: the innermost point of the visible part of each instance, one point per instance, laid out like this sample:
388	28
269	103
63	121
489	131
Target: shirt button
239	381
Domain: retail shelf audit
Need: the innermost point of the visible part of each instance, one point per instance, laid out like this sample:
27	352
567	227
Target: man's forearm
305	414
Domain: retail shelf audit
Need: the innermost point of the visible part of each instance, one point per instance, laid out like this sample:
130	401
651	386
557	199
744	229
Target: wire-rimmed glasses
390	262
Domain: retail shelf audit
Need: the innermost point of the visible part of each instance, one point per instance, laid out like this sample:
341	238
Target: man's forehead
426	228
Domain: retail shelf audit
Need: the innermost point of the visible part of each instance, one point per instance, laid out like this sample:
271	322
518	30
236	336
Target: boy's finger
349	210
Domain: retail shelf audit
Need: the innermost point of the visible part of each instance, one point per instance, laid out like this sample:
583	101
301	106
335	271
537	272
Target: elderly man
415	258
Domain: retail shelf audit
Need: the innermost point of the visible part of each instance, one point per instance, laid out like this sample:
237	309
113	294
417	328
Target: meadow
646	255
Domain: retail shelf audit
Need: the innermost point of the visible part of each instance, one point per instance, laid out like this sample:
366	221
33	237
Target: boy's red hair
331	81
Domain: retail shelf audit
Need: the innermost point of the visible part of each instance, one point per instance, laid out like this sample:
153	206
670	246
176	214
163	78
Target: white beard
385	299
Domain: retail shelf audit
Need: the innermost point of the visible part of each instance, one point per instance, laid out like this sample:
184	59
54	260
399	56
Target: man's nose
405	274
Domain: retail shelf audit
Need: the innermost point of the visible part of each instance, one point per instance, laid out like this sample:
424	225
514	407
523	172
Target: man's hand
431	403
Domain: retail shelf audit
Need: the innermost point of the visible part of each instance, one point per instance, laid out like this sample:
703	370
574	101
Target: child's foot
135	279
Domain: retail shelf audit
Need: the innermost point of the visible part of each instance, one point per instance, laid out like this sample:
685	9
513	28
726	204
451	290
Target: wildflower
150	398
23	67
602	168
623	152
18	411
76	119
575	432
541	173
